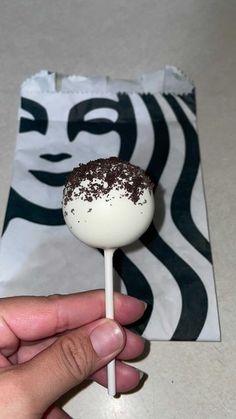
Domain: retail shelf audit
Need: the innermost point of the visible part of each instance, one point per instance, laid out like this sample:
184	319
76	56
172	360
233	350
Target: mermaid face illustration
48	149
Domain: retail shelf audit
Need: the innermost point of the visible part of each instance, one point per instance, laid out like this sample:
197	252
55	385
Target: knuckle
76	356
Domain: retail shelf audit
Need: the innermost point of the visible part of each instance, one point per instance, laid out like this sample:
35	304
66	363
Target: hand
50	344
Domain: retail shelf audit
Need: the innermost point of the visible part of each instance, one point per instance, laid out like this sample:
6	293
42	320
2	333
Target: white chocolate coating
109	221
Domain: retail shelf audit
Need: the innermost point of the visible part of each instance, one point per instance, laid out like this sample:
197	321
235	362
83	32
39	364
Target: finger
66	363
8	339
127	377
134	347
32	318
55	412
27	351
4	362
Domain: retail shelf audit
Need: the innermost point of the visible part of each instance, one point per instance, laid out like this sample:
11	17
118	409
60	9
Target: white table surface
124	38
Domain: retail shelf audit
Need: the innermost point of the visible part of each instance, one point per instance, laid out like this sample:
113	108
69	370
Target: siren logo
35	190
51	148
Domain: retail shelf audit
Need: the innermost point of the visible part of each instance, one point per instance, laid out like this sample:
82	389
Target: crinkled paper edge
167	80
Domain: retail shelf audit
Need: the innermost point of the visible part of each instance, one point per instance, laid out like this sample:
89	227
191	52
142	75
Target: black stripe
190	101
135	282
136	285
161	145
180	205
194	297
19	207
127	127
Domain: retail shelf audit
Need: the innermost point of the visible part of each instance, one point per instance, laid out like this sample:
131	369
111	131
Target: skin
48	345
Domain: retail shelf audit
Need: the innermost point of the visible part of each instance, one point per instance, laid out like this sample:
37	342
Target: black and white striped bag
151	122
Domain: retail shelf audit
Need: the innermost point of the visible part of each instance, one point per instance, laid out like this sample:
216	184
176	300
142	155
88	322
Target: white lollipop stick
108	257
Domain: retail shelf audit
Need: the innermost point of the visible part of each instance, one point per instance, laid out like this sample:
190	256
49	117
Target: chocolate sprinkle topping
98	177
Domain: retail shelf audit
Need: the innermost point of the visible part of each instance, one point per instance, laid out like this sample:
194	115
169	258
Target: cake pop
108	203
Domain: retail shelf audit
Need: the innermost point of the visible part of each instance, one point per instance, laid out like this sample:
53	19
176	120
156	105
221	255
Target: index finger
32	318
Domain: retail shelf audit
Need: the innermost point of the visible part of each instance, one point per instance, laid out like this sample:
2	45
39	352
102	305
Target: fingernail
141	374
107	339
145	304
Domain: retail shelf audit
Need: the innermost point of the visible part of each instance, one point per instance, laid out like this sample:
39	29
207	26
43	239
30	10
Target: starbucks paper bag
151	122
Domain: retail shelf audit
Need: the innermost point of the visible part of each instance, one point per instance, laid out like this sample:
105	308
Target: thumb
69	361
